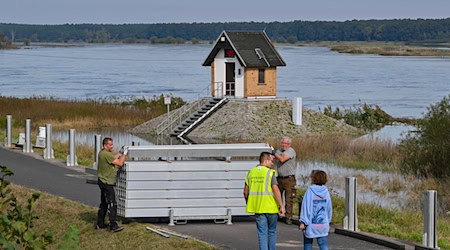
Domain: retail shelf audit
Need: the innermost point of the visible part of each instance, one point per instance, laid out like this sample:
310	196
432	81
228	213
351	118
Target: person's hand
281	212
273	150
302	226
125	151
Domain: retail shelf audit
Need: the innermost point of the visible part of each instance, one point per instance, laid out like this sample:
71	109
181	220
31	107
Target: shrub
426	152
365	116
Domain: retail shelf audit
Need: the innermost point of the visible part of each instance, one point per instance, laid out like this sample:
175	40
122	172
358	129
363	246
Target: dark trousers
108	203
287	186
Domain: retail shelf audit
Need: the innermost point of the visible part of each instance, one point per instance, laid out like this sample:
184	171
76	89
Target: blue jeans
266	224
321	241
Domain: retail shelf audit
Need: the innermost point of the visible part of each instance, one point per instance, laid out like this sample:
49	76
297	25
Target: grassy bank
57	214
381	48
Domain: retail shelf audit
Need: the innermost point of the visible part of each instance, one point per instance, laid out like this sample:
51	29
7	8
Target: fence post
97	147
8	141
351	215
72	158
429	214
48	151
27	148
297	111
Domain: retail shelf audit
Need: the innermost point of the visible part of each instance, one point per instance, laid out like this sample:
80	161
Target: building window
261	76
229	53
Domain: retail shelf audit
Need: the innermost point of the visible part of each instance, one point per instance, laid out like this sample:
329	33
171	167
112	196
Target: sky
207	11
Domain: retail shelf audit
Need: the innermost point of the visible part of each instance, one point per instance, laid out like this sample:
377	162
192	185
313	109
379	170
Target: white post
168	101
351	215
97	147
48	151
27	148
72	158
297	111
8	141
429	214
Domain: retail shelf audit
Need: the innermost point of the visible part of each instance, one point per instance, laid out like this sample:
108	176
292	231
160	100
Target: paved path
52	176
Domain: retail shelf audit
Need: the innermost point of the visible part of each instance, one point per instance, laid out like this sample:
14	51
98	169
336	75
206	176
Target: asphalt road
53	177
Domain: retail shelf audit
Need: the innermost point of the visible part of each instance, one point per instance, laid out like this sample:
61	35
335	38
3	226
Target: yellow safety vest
261	198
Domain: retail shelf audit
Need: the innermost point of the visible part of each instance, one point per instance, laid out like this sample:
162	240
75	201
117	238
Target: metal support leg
171	218
48	151
351	215
229	216
429	215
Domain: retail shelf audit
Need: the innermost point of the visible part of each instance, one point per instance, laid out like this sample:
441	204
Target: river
403	86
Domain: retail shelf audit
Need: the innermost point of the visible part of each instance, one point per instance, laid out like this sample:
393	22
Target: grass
381	48
83	115
400	224
57	214
345	150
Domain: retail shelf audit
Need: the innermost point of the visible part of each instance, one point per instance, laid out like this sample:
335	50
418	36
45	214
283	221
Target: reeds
346	150
82	115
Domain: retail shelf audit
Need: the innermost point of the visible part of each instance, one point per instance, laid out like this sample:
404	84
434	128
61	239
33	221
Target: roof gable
253	49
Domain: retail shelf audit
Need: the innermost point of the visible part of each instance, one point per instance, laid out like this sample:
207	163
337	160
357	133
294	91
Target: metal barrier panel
189	188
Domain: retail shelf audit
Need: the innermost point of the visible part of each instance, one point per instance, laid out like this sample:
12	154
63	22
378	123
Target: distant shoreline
349	47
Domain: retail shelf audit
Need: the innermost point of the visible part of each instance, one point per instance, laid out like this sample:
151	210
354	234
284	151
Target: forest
396	30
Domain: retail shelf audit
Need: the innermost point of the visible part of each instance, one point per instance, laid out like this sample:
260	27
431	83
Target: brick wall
252	88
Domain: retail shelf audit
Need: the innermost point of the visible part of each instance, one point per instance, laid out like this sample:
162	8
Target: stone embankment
257	120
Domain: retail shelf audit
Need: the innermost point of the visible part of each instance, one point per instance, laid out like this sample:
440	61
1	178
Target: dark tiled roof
253	49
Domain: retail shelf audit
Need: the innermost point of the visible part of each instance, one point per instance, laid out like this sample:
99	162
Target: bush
364	116
426	152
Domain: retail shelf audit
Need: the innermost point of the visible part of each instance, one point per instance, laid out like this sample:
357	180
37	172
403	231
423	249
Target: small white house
243	65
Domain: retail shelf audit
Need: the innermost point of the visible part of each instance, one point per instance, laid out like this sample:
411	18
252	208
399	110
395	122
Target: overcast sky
188	11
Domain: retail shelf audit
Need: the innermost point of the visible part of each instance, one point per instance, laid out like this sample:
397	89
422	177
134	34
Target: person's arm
246	193
120	160
282	158
286	156
276	192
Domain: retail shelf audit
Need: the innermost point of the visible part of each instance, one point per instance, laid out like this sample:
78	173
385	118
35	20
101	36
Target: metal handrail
178	115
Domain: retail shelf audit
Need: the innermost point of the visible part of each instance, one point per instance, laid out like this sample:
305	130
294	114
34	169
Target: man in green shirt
108	164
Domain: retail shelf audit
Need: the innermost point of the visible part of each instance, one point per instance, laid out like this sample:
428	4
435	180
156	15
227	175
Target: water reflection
393	132
388	190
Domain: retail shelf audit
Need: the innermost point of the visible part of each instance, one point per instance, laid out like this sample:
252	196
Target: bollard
297	111
351	215
27	148
97	147
72	158
8	141
48	151
429	214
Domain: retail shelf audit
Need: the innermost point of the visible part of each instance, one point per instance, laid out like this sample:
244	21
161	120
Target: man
263	198
108	164
286	166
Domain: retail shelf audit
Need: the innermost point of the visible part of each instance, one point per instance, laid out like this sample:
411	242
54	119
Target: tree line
400	30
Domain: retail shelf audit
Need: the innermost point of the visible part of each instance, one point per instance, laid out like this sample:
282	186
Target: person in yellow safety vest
263	198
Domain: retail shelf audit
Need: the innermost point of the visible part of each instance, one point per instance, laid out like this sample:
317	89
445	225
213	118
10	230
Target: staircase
198	116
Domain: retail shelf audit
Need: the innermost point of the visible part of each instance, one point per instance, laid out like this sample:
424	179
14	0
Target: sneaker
116	229
102	226
289	221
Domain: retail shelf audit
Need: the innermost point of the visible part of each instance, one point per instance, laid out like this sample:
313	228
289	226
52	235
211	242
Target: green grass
57	214
401	224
